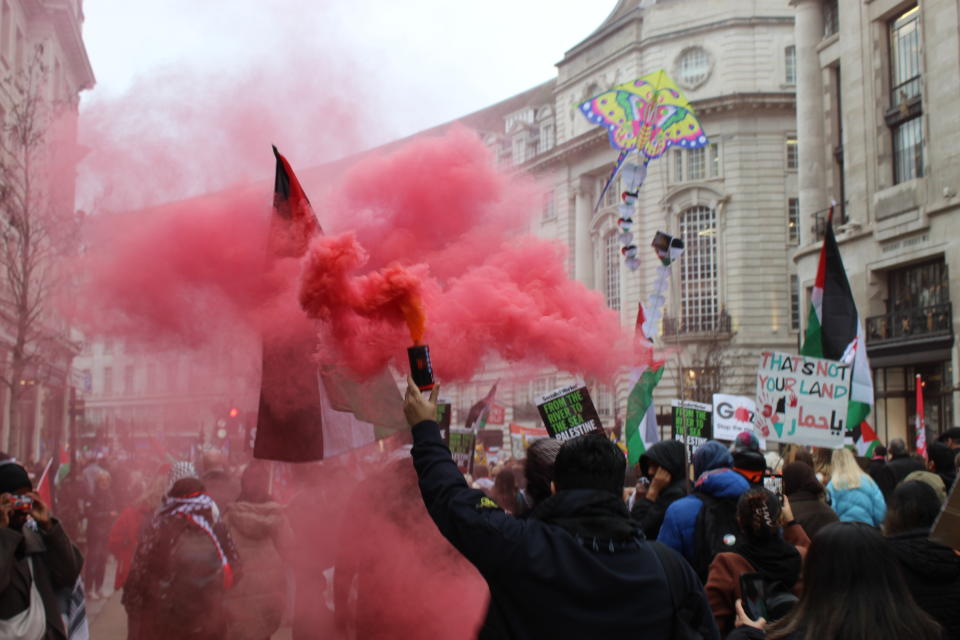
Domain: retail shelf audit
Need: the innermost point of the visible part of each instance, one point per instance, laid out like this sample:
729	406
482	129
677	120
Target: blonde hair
845	472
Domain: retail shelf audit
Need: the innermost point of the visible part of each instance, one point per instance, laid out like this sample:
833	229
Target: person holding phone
760	551
662	483
851	589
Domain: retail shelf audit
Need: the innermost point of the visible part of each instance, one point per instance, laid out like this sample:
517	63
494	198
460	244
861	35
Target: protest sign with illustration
692	423
802	400
732	415
522	437
463	443
568	412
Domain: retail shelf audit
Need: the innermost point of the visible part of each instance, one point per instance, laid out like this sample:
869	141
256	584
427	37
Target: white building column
808	32
583	246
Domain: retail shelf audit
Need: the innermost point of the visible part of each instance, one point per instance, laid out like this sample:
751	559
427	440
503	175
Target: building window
794	303
128	380
831	17
696	163
694	66
678	166
700	383
790	65
549	205
518	147
612	195
547	138
793	220
906	109
611	260
107	380
793	154
698	270
714	161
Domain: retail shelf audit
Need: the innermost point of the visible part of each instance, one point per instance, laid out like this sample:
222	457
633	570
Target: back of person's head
538	468
852	588
255	482
758	514
914	505
590	462
800	476
505	490
898	448
709	456
845	472
13	476
931	479
953	433
941	456
879	451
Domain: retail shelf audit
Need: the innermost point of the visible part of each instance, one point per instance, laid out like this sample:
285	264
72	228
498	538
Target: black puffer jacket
649	514
896	470
932	572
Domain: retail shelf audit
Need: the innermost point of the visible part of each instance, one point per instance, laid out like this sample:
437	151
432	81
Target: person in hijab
807	497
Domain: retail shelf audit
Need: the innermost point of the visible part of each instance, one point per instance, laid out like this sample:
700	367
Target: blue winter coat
680	521
863	504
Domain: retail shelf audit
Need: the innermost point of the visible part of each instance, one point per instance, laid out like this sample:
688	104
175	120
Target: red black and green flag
835	331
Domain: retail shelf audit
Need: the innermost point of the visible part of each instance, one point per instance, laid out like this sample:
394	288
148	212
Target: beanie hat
179	470
13	477
746	441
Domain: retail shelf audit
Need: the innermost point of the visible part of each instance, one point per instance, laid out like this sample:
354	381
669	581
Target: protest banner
732	415
463	444
444	414
497	414
490	437
802	400
692	424
568	412
522	437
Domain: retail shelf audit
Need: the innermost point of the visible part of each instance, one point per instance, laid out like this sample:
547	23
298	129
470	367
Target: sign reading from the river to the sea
568	412
802	400
692	423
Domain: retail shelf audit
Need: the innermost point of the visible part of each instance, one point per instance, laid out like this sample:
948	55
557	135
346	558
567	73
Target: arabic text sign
568	412
692	423
802	400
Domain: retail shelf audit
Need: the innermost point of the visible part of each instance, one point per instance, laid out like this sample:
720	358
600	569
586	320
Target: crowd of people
565	542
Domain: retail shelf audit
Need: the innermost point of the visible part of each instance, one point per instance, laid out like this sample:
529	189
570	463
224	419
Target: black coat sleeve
62	558
472	522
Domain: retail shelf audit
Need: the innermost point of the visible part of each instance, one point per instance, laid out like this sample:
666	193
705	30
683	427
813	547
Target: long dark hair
852	589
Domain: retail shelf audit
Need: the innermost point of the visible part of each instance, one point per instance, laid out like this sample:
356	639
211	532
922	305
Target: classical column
808	32
583	246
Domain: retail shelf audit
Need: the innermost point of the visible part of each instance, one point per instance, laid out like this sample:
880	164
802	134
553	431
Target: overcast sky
436	59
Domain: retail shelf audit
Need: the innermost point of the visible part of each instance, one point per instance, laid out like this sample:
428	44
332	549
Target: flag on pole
307	413
43	486
642	430
835	331
920	425
480	411
63	469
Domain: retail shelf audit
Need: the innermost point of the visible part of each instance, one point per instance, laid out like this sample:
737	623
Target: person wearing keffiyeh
184	563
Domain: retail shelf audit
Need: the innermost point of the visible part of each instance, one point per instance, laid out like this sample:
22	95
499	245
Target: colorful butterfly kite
648	115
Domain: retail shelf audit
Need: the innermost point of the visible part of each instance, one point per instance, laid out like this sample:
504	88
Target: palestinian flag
63	468
479	412
642	430
835	331
307	414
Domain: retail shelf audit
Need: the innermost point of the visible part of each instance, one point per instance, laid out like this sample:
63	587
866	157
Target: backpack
716	531
190	595
685	627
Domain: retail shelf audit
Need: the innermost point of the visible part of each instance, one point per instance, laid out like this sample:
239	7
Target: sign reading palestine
568	412
692	423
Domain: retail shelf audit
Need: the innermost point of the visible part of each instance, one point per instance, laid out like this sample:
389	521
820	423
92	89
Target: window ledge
827	41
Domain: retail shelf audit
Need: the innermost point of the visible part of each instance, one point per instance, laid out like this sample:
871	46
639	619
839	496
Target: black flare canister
420	367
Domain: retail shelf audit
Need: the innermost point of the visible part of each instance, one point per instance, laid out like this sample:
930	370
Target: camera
22	503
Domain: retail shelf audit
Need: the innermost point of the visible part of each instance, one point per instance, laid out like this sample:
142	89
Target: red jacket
124	536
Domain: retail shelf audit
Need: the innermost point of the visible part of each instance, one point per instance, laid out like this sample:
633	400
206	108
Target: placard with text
802	400
692	423
568	412
463	444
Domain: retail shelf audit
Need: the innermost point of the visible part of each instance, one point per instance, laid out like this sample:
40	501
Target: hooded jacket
649	514
711	464
578	567
932	572
255	606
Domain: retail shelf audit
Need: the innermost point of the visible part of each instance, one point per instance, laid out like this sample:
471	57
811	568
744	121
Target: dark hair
898	447
758	514
590	462
505	490
941	456
538	468
255	482
852	589
800	476
880	451
914	505
185	487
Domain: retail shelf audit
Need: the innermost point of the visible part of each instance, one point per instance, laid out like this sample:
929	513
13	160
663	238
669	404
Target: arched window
698	271
611	267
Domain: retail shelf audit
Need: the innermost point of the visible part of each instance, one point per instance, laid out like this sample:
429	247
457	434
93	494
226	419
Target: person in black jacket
899	467
940	460
877	463
807	498
577	567
662	464
931	570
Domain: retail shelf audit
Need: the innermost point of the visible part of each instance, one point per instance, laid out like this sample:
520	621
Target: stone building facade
879	132
734	202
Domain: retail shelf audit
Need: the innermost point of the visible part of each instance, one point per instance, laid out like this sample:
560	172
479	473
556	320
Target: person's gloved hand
416	408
